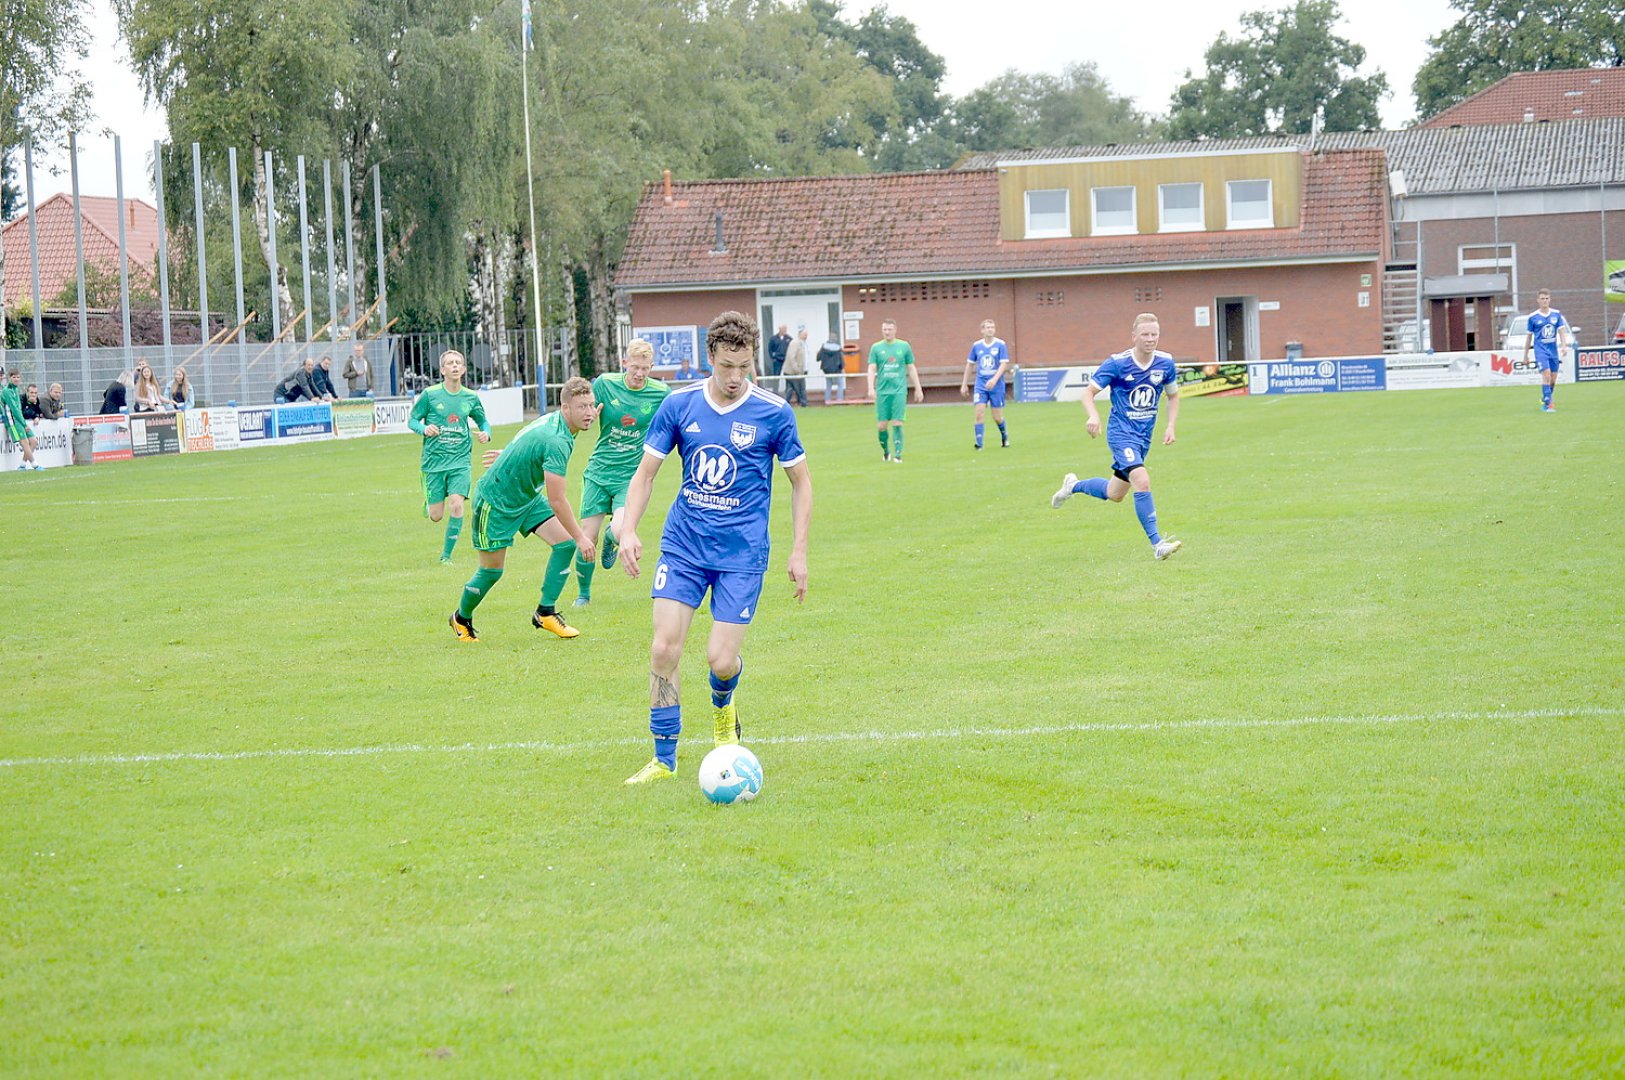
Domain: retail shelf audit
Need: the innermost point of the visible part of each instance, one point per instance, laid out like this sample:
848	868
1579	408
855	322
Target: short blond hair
574	386
1145	317
640	348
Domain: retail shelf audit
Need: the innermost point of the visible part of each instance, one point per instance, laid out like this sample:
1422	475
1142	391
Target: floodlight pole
530	205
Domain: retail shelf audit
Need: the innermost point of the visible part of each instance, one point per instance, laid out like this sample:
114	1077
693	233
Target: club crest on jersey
1156	377
742	436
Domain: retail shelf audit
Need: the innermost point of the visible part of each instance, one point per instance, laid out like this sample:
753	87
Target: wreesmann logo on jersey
742	436
711	472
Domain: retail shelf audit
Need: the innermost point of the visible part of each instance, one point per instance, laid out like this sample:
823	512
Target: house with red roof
1535	96
1239	248
58	265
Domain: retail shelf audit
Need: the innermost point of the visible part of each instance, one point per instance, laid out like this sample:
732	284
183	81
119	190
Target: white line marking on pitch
1219	724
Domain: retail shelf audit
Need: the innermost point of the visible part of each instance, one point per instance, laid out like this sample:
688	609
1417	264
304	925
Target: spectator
298	383
180	390
51	406
358	372
795	369
833	364
322	379
149	396
115	398
778	347
31	404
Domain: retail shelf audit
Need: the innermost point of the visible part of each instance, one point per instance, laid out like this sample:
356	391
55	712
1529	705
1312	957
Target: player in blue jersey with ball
1137	379
1547	331
988	361
726	432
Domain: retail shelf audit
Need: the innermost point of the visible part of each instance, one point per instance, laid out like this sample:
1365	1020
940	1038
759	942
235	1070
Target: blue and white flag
529	40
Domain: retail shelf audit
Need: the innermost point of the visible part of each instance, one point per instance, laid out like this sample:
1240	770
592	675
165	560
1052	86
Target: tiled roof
1436	161
928	224
1541	95
56	255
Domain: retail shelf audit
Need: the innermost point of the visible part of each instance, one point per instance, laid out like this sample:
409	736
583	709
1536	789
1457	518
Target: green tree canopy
1069	109
1286	66
1495	38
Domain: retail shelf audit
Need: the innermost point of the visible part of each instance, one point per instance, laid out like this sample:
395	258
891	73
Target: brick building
1240	246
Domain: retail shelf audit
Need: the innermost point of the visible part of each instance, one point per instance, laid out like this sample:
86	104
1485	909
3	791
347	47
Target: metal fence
248	373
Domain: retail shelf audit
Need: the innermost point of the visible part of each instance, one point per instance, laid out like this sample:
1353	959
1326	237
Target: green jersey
519	473
450	413
891	360
622	424
11	405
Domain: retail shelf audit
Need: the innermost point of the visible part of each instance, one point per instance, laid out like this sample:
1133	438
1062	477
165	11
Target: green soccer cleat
607	553
725	726
654	770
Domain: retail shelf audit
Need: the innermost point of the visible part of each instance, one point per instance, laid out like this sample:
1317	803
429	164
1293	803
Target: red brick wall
690	308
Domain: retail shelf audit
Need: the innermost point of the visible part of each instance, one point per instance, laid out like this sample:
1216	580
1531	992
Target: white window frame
1267	222
1492	265
1066	211
1133	226
1201	208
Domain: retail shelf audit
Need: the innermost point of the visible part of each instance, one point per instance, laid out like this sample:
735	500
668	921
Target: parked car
1619	332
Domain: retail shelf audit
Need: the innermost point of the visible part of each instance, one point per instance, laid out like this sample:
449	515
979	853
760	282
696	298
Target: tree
1073	108
1285	67
907	134
41	91
1495	38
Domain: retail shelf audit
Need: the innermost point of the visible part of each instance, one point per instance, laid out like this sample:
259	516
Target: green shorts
438	485
19	432
496	529
598	498
891	406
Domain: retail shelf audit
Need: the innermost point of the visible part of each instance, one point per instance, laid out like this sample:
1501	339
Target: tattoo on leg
662	691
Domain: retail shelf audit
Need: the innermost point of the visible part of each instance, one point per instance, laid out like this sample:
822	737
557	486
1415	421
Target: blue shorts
733	592
993	397
1126	457
1547	363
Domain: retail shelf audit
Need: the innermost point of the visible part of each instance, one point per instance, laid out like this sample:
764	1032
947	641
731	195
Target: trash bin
84	445
852	364
1294	350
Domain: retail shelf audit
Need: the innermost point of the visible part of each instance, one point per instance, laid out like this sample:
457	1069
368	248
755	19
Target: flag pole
526	43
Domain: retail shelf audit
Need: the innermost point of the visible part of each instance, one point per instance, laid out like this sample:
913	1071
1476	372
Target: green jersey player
441	415
627	402
522	493
891	369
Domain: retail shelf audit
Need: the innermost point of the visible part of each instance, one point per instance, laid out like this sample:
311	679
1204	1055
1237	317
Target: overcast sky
1144	58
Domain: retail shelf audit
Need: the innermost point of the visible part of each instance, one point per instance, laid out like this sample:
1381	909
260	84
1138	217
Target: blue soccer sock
1095	485
1545	393
665	724
1147	511
722	690
1004	436
979	430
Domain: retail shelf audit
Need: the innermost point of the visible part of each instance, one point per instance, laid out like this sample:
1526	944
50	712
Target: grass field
1338	791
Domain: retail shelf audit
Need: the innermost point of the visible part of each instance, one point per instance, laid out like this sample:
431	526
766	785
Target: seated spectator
31	403
115	399
180	390
149	396
298	383
358	372
322	379
51	406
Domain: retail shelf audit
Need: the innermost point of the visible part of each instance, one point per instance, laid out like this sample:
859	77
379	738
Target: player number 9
660	576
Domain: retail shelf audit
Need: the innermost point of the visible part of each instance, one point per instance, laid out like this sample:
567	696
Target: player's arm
801	503
998	376
420	413
870	374
914	377
477	414
638	493
553	485
1092	425
1172	394
1528	340
970	373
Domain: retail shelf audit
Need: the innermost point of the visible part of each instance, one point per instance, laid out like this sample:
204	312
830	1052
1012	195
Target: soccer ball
730	774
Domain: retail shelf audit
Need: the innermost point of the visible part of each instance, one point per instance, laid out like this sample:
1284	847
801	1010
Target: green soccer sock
454	529
897	441
584	571
884	449
558	572
478	585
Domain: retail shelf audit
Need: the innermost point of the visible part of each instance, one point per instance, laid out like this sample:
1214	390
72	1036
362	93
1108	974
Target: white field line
406	490
545	747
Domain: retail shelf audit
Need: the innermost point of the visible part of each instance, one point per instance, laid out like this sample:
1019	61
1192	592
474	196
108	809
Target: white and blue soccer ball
730	774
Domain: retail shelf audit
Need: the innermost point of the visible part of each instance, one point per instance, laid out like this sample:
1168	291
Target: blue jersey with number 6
719	520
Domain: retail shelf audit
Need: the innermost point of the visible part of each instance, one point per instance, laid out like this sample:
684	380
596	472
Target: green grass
1337	791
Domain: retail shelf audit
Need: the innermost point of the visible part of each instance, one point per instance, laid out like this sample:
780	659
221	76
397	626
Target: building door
1237	329
819	310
